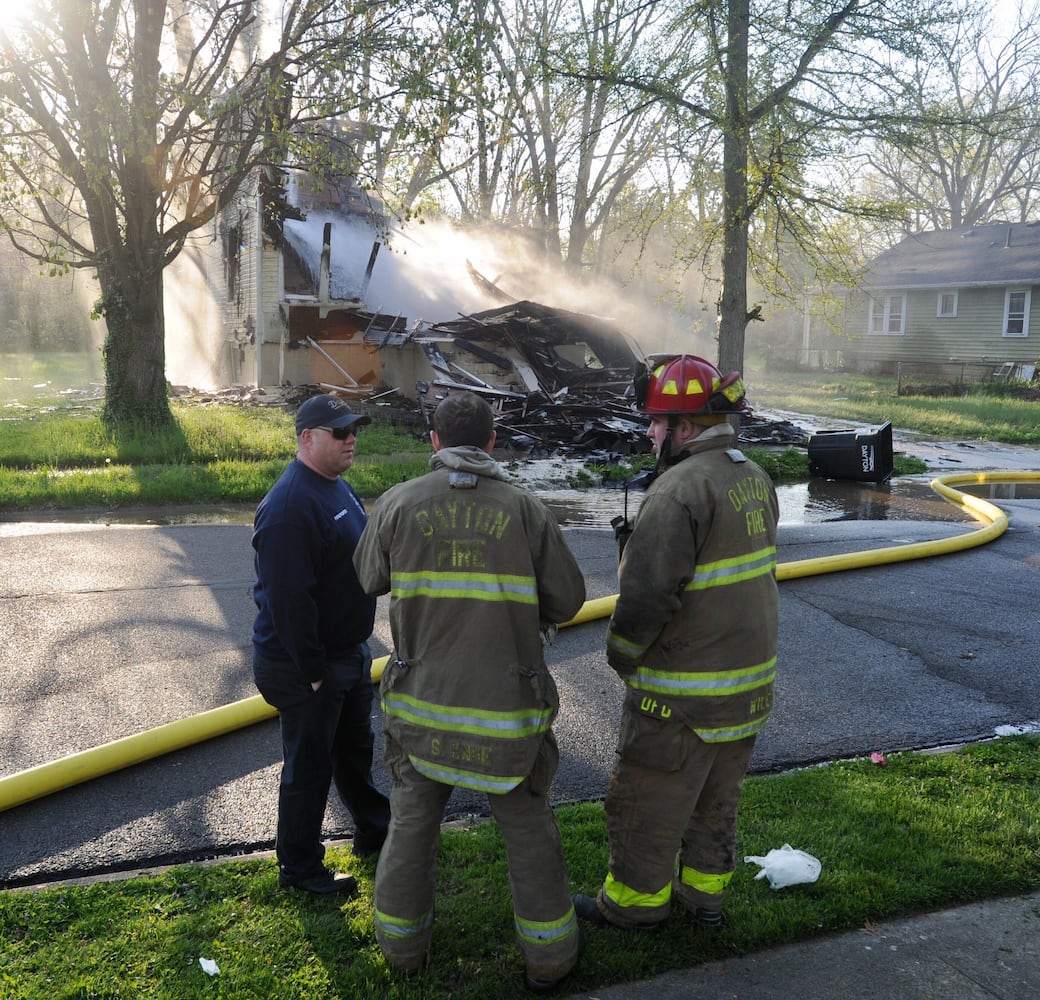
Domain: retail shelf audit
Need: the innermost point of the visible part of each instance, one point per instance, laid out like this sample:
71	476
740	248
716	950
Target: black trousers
326	737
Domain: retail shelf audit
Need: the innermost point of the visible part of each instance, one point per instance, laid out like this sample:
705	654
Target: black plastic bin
863	455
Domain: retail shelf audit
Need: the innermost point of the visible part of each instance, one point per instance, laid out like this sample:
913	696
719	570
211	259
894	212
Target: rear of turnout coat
474	566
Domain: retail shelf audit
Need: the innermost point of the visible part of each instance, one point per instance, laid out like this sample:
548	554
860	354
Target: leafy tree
779	87
125	125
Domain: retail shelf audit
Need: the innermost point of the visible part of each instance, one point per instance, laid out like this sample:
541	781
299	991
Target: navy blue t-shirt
310	606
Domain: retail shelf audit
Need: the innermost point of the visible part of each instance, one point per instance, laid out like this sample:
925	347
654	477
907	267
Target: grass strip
873	400
925	831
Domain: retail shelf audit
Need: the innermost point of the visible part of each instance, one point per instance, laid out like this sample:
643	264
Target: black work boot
588	909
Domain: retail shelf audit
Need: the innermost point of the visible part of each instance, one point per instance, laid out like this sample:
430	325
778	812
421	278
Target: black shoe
588	910
320	883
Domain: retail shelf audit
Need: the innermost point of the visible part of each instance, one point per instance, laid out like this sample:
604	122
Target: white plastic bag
786	866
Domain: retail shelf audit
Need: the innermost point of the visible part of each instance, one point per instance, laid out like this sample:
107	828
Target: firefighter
694	638
477	570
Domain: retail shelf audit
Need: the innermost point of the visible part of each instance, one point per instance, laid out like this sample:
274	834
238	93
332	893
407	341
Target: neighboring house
958	297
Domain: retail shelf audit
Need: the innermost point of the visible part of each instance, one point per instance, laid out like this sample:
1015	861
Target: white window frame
951	312
892	320
1016	316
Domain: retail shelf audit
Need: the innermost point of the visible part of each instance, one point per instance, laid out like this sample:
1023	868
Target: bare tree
514	143
125	125
965	147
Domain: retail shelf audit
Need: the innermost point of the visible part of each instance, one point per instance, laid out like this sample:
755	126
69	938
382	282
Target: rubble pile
556	380
559	382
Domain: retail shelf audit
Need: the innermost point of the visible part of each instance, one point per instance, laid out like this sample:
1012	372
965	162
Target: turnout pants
544	918
671	810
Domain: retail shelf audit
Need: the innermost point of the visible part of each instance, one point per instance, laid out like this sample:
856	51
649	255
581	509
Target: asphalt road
107	631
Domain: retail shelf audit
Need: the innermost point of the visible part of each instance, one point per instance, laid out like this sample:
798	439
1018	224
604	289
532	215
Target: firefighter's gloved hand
622	532
624	666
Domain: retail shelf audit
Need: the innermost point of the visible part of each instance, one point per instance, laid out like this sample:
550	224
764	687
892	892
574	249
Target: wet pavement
123	621
901	498
110	631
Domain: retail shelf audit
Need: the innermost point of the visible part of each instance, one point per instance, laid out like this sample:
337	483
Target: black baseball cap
327	411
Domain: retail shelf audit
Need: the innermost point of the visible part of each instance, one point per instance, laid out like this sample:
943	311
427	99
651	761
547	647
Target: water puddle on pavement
814	501
811	502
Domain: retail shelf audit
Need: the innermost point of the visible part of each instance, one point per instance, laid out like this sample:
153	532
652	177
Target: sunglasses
340	433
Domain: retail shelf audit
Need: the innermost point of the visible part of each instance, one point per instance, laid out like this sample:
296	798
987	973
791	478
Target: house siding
974	335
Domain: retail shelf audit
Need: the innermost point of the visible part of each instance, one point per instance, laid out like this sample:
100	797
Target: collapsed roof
556	379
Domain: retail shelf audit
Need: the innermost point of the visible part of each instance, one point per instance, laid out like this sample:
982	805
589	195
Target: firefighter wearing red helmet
694	638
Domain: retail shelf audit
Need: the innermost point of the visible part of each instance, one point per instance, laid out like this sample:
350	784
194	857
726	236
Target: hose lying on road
36	782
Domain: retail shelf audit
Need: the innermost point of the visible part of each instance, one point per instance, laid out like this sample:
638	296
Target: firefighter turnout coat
474	566
694	637
694	629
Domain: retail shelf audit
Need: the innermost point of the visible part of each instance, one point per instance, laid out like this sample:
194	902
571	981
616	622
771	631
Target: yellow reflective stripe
402	929
713	885
735	570
624	646
490	783
727	734
546	932
472	721
621	895
709	683
471	586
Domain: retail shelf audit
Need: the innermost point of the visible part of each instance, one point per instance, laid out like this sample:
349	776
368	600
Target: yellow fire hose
37	782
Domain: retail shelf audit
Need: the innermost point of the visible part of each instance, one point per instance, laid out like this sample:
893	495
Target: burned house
291	266
555	379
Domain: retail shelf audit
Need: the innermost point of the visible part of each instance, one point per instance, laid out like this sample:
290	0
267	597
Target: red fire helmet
685	384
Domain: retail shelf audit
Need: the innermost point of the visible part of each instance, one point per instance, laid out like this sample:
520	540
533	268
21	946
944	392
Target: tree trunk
733	301
135	343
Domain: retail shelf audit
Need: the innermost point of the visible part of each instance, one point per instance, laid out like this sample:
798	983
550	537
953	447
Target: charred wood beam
485	355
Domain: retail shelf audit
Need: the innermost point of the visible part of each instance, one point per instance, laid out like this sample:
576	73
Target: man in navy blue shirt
311	659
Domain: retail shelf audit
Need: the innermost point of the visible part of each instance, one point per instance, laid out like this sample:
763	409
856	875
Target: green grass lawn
62	457
873	400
